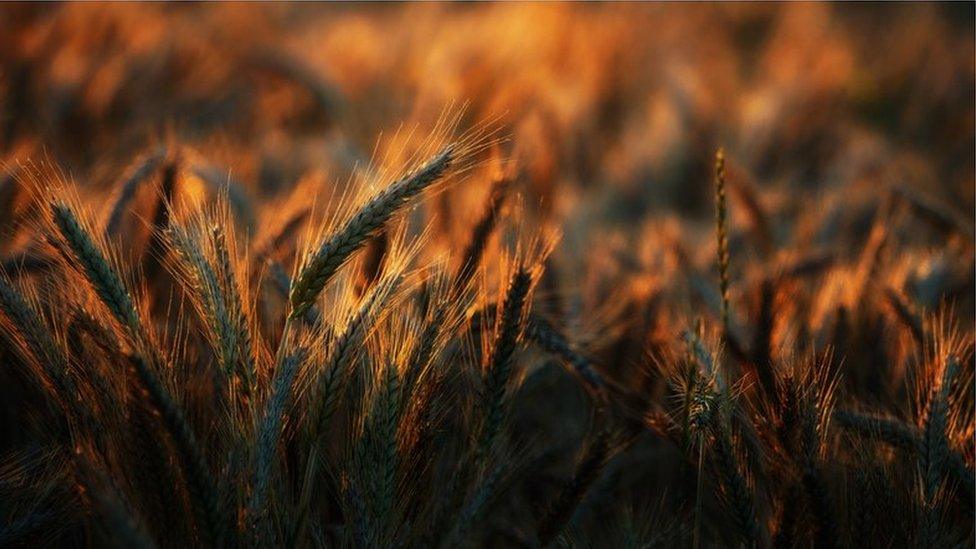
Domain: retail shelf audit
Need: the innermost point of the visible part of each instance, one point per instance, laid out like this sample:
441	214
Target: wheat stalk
203	490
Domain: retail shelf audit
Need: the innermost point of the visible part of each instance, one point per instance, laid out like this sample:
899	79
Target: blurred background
624	103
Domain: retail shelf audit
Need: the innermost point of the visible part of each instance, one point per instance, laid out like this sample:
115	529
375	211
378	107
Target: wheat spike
333	253
721	233
99	273
500	364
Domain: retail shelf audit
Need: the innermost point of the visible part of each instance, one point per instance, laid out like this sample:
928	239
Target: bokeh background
625	103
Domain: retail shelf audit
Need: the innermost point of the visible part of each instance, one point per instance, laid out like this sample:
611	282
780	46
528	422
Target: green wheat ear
99	273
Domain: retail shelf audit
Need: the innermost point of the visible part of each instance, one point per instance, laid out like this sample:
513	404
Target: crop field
487	275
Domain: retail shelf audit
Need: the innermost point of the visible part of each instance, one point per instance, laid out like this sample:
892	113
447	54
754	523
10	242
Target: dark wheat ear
737	491
235	303
482	232
594	459
333	253
269	432
25	321
499	369
539	330
378	454
127	187
97	270
722	235
934	453
332	376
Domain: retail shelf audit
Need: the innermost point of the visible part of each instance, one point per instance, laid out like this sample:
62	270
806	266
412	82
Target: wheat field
487	275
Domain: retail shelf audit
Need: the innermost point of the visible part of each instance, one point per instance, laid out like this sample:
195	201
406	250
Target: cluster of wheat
357	410
581	323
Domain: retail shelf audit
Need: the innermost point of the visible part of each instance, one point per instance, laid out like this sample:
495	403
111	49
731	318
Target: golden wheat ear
334	252
722	235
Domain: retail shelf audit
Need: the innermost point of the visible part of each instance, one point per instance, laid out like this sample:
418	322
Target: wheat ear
739	494
269	433
482	232
722	236
545	335
234	306
134	177
203	490
333	374
99	273
934	453
379	449
500	363
333	253
207	288
35	334
587	472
